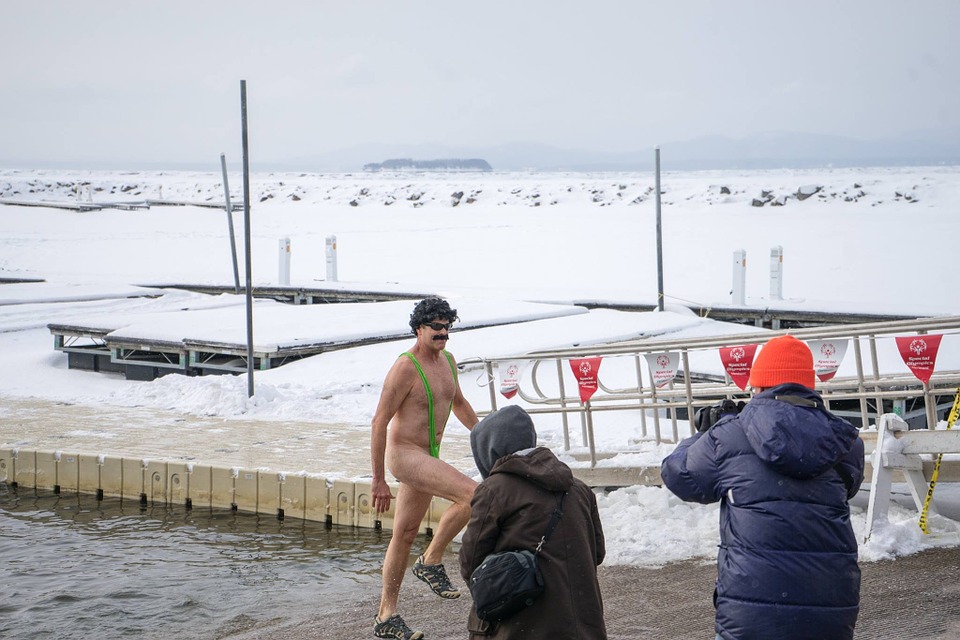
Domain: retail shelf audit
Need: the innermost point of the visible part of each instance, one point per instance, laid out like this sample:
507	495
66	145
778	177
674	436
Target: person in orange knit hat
783	360
783	470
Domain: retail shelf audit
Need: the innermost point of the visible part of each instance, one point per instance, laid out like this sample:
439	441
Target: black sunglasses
439	326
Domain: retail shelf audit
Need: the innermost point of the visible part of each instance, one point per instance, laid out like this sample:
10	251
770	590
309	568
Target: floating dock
193	342
213	340
124	205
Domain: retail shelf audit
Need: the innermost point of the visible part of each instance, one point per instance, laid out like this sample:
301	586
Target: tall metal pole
233	241
246	235
659	238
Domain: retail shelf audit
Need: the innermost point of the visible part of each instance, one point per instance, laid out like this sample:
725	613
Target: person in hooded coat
783	470
511	510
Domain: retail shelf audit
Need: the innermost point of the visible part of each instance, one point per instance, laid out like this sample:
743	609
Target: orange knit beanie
781	360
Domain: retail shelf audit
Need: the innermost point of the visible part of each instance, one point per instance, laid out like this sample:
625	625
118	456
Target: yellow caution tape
951	420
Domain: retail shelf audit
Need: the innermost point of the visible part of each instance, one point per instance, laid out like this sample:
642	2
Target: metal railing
544	385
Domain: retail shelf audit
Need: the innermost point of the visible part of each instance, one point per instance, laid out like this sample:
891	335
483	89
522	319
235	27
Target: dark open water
75	567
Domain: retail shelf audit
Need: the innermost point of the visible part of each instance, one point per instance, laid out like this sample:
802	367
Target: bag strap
798	401
557	514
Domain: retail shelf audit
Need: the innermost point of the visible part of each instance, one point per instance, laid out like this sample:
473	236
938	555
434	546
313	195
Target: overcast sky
160	81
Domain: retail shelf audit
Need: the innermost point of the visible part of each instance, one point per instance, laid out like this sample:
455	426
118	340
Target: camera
706	417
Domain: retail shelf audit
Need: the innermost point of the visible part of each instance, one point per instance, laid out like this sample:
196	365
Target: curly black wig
430	309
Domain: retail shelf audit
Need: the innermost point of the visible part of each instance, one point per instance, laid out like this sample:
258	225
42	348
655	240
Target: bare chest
433	384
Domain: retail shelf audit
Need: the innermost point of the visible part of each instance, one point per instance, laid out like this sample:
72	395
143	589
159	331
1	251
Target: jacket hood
501	433
539	466
798	441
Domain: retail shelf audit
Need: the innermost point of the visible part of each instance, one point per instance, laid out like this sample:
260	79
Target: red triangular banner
737	361
586	370
919	353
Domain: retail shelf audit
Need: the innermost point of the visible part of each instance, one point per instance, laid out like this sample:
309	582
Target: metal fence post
563	406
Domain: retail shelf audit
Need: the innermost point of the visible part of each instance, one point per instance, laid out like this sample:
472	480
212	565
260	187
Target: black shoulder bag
509	581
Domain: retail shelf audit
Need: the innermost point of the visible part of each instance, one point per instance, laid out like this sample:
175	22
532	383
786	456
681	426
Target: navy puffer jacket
787	564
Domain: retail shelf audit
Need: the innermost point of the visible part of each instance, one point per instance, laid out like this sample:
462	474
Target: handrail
919	325
698	389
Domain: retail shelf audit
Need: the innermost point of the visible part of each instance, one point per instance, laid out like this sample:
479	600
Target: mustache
441	337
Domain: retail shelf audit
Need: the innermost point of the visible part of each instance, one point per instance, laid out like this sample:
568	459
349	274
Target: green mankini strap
434	447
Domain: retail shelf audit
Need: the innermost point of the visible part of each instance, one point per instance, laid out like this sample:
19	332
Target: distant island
444	164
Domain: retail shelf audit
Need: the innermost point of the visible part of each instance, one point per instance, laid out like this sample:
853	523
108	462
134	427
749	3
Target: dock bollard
739	276
284	262
776	273
331	258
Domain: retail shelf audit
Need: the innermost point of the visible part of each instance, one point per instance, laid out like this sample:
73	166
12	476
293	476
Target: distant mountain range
441	164
761	151
774	150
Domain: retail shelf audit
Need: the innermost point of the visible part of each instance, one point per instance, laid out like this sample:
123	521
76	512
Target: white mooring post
331	258
285	262
739	276
776	273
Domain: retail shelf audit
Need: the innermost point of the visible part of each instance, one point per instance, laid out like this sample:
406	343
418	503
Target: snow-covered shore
872	240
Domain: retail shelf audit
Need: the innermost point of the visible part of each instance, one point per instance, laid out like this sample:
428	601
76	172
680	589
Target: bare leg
433	477
451	522
411	508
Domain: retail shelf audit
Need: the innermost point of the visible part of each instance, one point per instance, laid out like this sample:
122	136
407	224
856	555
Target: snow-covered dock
204	339
208	335
123	205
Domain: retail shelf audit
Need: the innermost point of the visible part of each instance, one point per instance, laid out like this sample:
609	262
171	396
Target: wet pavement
910	598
